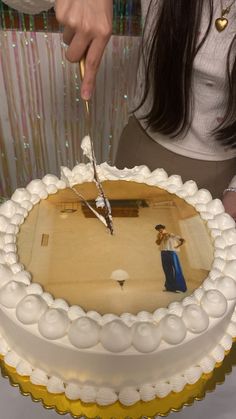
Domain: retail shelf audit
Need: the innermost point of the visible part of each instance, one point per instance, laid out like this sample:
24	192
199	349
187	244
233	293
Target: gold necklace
222	22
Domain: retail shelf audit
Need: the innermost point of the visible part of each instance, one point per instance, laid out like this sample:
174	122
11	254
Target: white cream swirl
146	336
53	324
115	336
84	332
30	309
195	318
214	303
173	329
12	293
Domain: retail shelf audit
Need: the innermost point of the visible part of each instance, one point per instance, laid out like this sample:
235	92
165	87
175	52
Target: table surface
218	405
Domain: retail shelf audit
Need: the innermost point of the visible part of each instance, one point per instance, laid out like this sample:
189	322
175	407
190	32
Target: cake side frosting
209	309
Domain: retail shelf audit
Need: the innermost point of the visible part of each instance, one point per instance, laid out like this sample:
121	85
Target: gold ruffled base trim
161	407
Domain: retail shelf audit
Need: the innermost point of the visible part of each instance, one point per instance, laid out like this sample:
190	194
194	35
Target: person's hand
87	29
229	202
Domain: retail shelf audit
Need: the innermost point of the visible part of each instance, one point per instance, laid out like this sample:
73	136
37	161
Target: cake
96	354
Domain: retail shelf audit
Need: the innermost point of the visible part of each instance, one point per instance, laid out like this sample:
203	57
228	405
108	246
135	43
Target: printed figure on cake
184	113
169	244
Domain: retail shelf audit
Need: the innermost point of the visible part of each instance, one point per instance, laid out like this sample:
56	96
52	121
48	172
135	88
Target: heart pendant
221	23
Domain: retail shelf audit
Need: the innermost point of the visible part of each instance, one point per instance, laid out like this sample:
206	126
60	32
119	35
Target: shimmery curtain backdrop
41	113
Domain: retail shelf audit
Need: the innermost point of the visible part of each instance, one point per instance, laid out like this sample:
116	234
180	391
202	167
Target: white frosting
23	368
88	394
12	293
84	333
53	324
195	318
163	389
39	378
193	374
55	385
12	359
75	312
129	396
30	309
106	396
115	336
146	336
147	392
5	275
218	353
227	287
214	303
35	289
207	364
72	391
4	348
173	329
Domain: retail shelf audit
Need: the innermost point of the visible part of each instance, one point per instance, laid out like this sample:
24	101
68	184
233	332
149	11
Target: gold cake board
161	407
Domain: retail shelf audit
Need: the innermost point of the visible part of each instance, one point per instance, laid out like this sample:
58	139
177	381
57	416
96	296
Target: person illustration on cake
169	245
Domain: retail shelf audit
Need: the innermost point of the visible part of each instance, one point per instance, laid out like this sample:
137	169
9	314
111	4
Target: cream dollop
4	223
147	392
75	312
207	364
88	394
173	329
39	378
226	342
84	332
53	324
116	336
55	385
8	208
193	374
178	383
106	396
214	303
4	349
230	269
72	391
227	287
24	277
162	389
37	187
129	396
35	288
218	353
195	318
20	195
12	293
12	359
24	369
30	309
146	336
5	275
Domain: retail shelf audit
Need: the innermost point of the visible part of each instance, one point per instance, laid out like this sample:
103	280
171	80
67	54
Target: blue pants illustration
174	276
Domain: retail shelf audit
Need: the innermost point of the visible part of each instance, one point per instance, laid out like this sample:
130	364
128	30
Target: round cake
124	317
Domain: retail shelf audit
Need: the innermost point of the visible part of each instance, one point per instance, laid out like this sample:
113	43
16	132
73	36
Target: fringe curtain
41	113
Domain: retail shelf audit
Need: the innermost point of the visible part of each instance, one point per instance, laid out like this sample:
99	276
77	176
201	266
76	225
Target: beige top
209	93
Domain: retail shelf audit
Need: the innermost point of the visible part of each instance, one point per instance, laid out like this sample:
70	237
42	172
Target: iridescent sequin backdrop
41	113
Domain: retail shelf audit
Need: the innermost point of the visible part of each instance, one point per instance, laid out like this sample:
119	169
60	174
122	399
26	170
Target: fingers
78	47
92	61
68	35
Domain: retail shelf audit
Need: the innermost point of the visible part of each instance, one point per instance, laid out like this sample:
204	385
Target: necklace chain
226	10
222	22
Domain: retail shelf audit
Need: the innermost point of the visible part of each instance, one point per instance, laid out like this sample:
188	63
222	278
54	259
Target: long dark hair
168	54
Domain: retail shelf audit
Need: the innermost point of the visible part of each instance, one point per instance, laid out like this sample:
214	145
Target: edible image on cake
74	257
169	245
